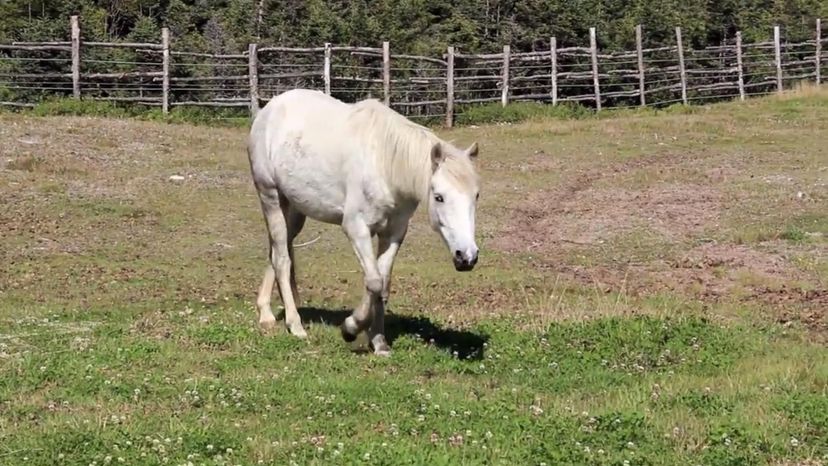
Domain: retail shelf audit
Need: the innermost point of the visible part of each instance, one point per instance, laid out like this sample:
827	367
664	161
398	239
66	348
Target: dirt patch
735	257
595	205
531	163
710	271
626	228
720	271
153	324
581	214
715	273
808	307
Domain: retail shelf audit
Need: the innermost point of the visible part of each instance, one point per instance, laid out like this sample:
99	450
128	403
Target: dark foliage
424	26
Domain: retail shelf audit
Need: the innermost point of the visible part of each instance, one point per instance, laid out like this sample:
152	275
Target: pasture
652	290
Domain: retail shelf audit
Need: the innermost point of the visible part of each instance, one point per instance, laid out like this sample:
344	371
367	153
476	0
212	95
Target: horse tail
257	144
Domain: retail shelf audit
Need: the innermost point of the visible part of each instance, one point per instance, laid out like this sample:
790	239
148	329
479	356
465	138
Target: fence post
165	83
253	74
741	70
640	52
450	87
682	70
326	69
818	51
777	49
75	26
593	48
386	72
504	91
553	49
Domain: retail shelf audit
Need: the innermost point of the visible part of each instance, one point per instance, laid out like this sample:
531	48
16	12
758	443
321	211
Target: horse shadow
464	344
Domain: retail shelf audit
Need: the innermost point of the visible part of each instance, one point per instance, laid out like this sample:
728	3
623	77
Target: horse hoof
349	329
298	331
383	351
267	326
346	335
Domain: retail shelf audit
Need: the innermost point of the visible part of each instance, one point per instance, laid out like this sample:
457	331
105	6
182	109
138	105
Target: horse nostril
458	255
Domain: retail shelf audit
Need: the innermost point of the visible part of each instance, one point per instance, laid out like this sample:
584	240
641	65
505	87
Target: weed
794	234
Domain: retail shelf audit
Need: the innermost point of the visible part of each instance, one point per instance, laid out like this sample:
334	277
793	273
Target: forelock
460	170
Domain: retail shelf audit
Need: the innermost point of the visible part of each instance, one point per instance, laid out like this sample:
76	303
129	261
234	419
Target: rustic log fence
421	87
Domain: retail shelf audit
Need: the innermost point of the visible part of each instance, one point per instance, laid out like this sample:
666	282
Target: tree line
412	26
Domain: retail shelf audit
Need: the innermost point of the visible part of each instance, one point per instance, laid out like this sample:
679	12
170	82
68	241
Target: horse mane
401	149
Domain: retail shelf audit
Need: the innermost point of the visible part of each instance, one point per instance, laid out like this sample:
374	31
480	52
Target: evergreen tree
413	25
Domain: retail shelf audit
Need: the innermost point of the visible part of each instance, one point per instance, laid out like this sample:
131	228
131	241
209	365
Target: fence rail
426	87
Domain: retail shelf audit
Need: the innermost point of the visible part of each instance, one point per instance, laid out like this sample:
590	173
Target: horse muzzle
465	262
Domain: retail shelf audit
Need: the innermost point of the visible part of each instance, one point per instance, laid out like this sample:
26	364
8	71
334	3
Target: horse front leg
359	234
389	243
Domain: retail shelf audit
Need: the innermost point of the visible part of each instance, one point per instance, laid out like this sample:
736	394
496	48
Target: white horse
365	167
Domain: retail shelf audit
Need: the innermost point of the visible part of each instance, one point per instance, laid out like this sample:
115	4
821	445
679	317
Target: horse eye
477	197
438	198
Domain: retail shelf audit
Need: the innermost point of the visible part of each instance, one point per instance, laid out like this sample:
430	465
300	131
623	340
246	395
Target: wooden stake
165	65
553	50
593	48
326	70
386	72
253	73
639	49
450	87
777	48
75	26
818	51
739	65
682	70
504	91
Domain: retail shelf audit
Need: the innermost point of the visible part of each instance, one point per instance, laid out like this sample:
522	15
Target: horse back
300	144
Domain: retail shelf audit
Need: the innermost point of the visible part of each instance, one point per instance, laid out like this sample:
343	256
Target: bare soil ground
716	207
733	221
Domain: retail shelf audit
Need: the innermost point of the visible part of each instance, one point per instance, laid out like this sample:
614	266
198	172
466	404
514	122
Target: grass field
652	291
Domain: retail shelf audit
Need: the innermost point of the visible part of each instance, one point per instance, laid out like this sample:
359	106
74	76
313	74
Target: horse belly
307	154
312	189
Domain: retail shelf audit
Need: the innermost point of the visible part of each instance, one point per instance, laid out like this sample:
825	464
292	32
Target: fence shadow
466	344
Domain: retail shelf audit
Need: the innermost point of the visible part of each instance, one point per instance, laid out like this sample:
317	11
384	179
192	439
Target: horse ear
472	151
437	155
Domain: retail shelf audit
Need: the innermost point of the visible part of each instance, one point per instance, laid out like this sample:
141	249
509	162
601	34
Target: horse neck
407	168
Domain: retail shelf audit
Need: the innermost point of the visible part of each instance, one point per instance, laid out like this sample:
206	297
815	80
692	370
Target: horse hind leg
276	213
295	223
267	321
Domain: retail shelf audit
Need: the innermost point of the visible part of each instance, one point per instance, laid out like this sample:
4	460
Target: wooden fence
153	74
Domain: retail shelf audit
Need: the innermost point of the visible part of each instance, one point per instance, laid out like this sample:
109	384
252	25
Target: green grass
643	390
467	115
515	112
630	327
177	115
